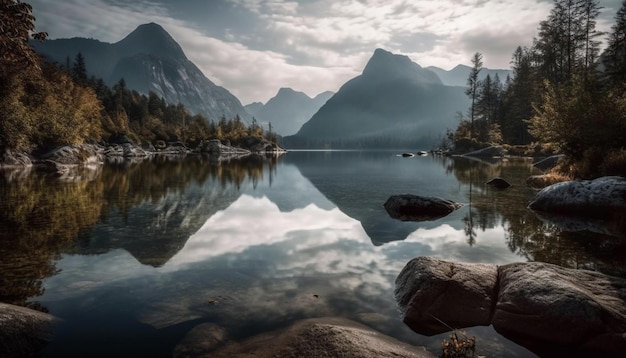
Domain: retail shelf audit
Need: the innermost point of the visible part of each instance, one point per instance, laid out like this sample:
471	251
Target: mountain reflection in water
254	244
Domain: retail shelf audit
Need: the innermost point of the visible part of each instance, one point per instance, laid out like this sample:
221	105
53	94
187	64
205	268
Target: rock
435	295
11	159
200	340
322	337
542	305
601	197
549	162
409	207
23	332
542	181
493	151
498	183
74	155
547	308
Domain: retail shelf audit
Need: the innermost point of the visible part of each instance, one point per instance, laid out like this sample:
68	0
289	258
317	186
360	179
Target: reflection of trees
40	215
525	234
43	216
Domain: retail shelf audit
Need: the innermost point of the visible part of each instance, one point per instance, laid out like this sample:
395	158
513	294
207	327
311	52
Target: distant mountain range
149	59
459	74
288	110
393	103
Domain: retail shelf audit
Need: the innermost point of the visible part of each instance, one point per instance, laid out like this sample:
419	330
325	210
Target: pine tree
473	85
79	69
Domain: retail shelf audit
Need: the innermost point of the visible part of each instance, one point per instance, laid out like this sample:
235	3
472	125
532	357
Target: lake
133	255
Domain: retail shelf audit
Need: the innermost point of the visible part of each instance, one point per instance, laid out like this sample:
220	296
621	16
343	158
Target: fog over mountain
393	103
288	110
459	74
149	59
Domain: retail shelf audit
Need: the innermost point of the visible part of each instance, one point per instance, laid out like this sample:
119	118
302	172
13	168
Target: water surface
134	255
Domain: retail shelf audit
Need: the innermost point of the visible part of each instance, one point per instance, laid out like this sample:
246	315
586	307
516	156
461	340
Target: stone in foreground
546	308
317	337
408	207
435	295
23	332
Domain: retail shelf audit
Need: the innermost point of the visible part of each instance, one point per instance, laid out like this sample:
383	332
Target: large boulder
434	295
601	197
23	332
544	306
547	308
316	337
408	207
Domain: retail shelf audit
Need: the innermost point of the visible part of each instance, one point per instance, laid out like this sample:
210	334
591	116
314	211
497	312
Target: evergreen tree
79	69
473	85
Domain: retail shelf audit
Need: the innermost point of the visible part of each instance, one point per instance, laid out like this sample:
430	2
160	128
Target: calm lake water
134	255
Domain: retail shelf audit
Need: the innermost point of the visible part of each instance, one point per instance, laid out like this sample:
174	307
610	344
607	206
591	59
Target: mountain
394	103
288	110
458	75
149	59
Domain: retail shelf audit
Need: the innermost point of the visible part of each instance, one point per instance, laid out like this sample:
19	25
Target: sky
255	47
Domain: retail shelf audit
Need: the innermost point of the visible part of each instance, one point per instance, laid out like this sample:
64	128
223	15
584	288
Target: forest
47	104
565	96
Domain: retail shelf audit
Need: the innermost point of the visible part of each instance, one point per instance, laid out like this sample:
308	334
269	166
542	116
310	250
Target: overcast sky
254	47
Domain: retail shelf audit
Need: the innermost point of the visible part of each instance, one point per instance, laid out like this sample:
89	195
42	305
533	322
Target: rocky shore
66	158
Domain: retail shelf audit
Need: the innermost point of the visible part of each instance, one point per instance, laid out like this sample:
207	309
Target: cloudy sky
254	47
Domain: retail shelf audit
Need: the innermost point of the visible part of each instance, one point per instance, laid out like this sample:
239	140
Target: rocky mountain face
288	110
459	74
394	103
149	59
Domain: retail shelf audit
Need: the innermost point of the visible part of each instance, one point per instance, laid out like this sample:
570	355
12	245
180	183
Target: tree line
46	105
564	93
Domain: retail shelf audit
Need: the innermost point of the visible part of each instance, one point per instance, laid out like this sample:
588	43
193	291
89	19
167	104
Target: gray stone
498	183
23	332
12	159
408	207
202	339
550	305
322	337
436	296
493	151
601	197
549	162
546	308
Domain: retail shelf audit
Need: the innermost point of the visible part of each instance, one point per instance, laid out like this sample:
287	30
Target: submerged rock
498	183
321	337
601	197
546	308
23	332
408	207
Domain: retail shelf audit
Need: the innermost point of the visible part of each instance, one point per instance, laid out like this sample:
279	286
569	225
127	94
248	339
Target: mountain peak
151	39
386	65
